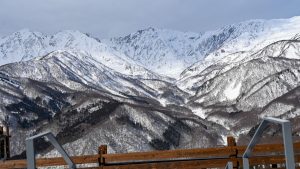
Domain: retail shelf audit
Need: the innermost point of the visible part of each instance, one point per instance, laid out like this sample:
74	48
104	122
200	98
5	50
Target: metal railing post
287	138
288	145
229	165
30	154
30	151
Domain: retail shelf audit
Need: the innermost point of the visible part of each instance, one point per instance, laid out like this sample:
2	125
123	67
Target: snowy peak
170	52
160	50
72	39
244	40
199	72
25	45
253	35
21	45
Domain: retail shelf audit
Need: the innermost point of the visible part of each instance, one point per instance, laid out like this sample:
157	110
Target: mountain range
152	89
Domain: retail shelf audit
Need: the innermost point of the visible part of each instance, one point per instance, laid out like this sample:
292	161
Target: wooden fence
4	142
264	156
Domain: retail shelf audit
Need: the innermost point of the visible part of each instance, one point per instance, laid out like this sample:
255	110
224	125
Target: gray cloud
111	18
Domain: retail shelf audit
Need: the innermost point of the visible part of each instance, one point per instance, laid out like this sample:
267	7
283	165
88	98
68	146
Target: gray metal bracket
30	151
229	165
287	140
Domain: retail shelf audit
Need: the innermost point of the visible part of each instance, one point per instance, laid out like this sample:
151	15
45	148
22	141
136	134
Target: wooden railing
4	142
267	155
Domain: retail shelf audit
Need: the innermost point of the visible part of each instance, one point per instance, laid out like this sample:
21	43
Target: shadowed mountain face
85	103
153	89
237	94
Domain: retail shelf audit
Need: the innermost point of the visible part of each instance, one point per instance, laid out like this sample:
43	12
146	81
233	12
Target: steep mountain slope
56	93
237	94
76	70
204	70
170	52
162	51
20	46
250	37
25	45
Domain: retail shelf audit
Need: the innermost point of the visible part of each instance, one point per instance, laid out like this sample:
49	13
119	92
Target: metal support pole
64	154
30	152
288	145
229	165
255	139
287	138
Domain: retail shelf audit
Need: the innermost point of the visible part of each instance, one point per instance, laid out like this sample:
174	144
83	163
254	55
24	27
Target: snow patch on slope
233	90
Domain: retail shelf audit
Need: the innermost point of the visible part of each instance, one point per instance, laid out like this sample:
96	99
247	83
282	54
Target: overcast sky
112	18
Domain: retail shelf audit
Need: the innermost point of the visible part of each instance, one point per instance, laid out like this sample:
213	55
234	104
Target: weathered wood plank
171	154
194	164
266	148
151	158
56	161
268	160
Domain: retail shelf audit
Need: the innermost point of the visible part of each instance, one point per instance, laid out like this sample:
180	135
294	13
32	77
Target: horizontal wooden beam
94	159
195	153
171	154
194	164
268	160
56	161
266	149
166	157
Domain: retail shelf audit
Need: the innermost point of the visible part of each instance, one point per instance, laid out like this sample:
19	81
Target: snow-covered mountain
152	89
249	36
82	101
25	45
170	52
162	51
239	92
